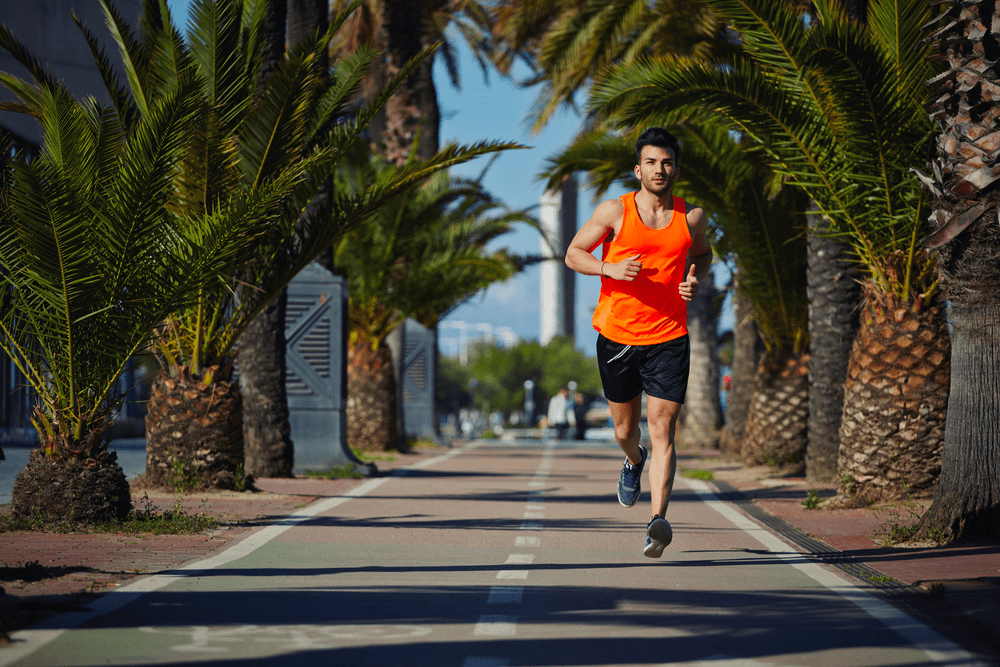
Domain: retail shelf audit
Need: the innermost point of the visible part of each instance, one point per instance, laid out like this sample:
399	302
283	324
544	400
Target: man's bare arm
579	256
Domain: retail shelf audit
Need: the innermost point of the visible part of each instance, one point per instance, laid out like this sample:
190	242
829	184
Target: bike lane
495	555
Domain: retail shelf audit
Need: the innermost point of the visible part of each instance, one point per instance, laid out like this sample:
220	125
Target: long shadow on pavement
595	625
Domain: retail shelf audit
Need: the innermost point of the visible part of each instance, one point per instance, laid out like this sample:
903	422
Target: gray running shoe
630	482
658	536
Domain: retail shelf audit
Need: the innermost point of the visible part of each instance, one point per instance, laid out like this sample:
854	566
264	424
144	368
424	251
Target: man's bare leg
662	418
626	420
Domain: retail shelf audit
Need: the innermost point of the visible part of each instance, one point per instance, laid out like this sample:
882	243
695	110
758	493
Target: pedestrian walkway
494	554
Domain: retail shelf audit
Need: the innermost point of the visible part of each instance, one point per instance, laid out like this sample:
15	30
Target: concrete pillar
558	282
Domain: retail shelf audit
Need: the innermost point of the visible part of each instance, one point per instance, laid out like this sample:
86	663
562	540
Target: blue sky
496	110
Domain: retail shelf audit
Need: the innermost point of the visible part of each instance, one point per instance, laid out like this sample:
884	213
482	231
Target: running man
655	252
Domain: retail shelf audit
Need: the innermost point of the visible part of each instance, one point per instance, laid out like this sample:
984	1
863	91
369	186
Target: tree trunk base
966	505
779	411
75	491
895	401
371	399
194	434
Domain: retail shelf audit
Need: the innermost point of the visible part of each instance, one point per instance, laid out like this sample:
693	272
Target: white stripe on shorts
620	354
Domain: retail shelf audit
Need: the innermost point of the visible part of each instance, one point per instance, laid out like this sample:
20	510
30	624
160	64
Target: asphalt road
495	555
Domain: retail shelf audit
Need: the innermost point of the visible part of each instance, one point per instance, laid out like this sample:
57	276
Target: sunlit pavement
495	554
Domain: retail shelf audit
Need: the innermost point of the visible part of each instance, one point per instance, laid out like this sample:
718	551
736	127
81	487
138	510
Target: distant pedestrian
655	251
580	412
558	407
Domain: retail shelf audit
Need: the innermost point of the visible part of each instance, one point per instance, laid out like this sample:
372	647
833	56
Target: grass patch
346	471
902	523
812	500
372	456
149	520
422	443
694	473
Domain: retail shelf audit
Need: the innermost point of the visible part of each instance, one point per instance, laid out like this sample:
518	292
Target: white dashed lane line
505	625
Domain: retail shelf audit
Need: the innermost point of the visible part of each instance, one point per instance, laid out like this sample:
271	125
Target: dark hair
657	136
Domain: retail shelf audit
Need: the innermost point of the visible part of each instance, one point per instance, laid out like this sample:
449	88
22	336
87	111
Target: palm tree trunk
967	501
412	113
834	305
268	448
194	432
702	407
895	400
747	349
78	491
371	398
777	422
305	17
267	434
274	49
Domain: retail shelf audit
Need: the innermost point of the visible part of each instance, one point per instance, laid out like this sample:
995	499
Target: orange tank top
650	309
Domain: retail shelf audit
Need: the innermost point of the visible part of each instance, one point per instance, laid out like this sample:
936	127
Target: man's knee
626	432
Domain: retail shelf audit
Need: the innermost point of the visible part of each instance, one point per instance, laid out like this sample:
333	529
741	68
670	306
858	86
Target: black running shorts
661	370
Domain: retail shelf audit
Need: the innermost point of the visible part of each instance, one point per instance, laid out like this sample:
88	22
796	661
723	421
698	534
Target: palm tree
420	257
967	245
764	236
91	262
838	109
400	29
296	126
568	43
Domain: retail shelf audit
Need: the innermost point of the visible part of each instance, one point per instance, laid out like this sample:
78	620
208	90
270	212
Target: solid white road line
936	647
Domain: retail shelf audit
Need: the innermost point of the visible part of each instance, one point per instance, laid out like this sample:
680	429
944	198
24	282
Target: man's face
657	169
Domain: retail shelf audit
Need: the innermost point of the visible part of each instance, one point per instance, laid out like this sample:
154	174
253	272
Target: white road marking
520	559
535	507
28	641
534	515
528	542
536	485
936	647
512	574
505	595
496	625
531	525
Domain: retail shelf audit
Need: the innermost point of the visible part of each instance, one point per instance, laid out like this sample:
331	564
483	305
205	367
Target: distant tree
501	373
421	256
